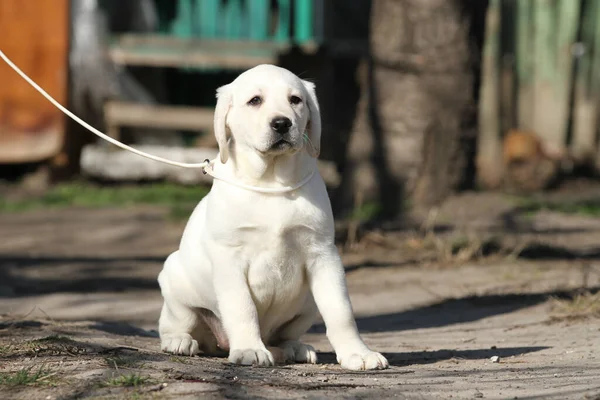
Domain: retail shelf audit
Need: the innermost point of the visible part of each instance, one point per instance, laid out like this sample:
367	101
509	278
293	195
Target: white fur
262	263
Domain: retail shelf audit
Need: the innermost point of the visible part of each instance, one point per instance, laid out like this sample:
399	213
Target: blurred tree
417	105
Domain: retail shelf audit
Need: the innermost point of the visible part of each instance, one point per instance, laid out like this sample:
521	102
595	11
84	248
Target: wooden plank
283	21
170	51
151	116
587	90
525	65
189	59
182	26
555	32
258	19
303	20
136	39
233	20
35	36
489	151
207	16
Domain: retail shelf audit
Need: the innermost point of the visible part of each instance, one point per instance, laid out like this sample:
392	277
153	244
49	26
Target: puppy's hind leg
290	347
175	326
177	321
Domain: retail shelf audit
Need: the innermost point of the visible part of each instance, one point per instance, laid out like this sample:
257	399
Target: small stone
495	359
478	395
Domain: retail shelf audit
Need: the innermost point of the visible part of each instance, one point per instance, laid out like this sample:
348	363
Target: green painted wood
524	40
544	39
233	20
182	25
586	112
595	45
303	20
545	104
595	77
206	18
489	151
566	23
583	146
524	64
284	20
555	32
242	19
258	19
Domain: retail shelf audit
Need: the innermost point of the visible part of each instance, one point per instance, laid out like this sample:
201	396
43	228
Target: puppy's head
269	110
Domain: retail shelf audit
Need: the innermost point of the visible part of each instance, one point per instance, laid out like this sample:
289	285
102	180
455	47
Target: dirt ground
479	278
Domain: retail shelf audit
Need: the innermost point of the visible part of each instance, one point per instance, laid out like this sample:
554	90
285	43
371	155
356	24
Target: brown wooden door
34	35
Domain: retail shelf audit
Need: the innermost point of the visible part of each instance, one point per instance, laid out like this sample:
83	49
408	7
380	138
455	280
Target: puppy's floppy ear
224	100
314	134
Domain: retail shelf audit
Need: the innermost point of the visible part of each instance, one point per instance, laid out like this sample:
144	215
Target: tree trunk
417	95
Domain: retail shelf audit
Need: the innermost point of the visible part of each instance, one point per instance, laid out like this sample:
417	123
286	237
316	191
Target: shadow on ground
62	340
87	274
402	359
454	311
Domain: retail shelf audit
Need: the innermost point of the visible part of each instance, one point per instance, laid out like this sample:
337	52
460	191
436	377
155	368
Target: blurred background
460	149
421	99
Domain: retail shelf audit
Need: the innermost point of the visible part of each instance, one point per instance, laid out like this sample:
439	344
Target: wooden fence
540	91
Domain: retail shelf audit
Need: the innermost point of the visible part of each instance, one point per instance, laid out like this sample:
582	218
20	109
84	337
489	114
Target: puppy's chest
276	260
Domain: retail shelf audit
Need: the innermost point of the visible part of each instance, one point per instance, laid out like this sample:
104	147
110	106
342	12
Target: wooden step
118	114
168	51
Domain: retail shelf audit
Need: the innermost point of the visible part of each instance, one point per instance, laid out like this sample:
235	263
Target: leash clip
207	161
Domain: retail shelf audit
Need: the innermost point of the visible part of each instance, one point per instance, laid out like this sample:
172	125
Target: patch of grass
365	212
121	362
179	212
181	199
131	380
5	350
27	376
180	360
588	208
584	304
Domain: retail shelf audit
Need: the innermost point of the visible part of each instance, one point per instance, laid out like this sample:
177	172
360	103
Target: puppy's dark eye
295	100
255	101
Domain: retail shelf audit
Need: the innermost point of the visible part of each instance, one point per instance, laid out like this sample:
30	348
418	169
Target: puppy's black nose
281	124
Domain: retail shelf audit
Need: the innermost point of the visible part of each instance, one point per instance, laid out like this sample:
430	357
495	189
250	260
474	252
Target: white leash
205	165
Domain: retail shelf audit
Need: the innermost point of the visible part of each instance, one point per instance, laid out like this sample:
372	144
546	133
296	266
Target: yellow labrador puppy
254	268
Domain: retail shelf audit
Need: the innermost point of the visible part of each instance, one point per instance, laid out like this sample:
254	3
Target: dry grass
582	305
122	362
131	380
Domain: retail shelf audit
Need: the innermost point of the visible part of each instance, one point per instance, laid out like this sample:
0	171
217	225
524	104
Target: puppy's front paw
261	357
364	361
182	344
299	352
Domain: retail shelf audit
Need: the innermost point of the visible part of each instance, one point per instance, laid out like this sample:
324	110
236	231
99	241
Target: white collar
208	169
